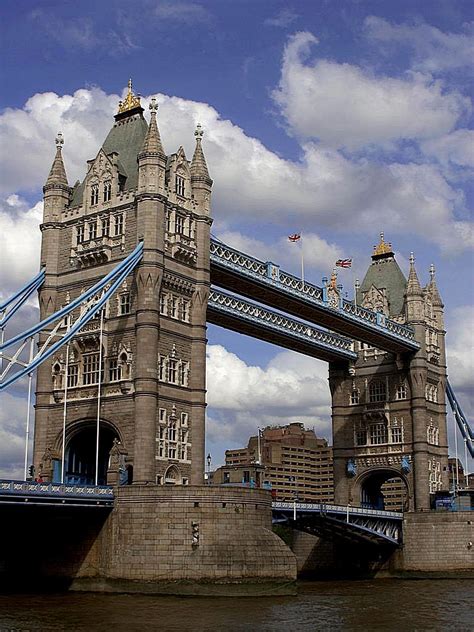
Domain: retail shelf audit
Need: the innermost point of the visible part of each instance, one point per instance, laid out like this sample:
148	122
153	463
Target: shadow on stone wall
45	548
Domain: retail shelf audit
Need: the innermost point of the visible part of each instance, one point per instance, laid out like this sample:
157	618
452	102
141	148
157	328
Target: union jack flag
344	263
295	237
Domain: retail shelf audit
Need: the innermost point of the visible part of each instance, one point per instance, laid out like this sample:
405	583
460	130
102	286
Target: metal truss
317	342
59	328
351	523
9	307
30	494
461	419
269	274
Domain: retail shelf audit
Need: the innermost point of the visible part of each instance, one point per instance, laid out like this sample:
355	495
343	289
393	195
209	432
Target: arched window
107	190
354	397
377	391
94	194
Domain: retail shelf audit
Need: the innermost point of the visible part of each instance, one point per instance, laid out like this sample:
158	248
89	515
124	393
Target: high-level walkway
266	283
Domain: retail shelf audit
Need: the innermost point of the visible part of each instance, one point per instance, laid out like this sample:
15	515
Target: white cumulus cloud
344	105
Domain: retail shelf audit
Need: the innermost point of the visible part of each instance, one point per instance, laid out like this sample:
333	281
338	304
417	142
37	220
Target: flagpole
99	387
302	259
63	446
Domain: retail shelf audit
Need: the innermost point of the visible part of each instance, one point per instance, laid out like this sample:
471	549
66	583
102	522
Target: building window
401	391
118	225
172	432
431	393
107	191
361	437
397	435
124	306
94	194
92	230
105	227
173	307
246	476
172	371
90	368
378	434
115	370
184	419
183	373
226	477
377	391
172	452
179	185
185	311
162	415
163	304
72	375
179	224
354	397
80	233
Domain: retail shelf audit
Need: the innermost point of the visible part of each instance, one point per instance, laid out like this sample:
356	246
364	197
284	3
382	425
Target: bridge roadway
356	524
266	283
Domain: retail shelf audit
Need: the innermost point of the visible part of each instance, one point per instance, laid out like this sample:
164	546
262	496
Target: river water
388	604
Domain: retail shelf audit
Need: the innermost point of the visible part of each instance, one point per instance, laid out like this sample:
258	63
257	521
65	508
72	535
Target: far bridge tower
388	410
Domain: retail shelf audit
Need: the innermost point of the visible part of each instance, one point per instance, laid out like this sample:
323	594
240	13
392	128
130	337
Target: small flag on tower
295	237
344	263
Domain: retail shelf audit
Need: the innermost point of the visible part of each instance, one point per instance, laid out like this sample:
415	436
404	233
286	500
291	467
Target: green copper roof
385	273
126	139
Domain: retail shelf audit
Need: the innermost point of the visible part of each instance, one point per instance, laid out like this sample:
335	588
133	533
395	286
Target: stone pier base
170	540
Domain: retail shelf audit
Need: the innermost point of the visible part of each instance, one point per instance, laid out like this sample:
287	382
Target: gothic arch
367	488
173	476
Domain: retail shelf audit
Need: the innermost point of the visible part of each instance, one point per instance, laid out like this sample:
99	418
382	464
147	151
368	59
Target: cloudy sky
339	119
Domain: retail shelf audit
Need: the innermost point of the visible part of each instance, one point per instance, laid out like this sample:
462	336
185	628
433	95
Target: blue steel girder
265	282
355	524
461	419
54	328
232	312
30	493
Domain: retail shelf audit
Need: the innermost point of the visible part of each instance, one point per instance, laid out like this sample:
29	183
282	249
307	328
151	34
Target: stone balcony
182	247
94	251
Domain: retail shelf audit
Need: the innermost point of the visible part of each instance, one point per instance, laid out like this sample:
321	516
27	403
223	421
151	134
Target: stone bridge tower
148	348
388	411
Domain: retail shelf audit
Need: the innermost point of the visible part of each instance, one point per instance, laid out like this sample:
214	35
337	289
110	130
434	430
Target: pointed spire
433	288
57	175
152	143
413	284
198	163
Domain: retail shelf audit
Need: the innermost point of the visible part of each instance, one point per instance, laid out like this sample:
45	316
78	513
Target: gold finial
384	248
130	102
59	140
199	133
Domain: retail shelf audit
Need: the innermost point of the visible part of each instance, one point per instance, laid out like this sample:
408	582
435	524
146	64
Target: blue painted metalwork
373	525
461	419
92	300
33	493
19	298
313	337
269	274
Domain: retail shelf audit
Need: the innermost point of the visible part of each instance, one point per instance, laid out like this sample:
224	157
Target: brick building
296	463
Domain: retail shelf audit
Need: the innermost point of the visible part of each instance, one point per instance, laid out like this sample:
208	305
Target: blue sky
337	119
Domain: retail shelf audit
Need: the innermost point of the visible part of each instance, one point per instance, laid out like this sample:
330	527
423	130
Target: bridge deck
32	493
264	282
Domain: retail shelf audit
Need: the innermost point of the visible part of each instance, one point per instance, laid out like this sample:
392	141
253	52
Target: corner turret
152	158
56	190
414	295
200	180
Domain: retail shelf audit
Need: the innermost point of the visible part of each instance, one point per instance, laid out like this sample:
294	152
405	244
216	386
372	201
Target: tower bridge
129	278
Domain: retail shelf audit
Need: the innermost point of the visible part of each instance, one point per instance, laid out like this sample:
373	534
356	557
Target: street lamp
209	461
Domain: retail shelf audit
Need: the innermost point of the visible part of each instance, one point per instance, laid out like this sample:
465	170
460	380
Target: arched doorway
80	461
384	489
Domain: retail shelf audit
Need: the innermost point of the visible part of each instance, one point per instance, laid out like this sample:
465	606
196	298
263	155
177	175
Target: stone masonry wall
436	542
149	536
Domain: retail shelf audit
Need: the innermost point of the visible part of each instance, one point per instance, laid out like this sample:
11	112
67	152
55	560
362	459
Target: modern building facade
297	464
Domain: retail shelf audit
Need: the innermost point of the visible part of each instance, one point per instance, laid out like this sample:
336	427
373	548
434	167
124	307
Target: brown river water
389	604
